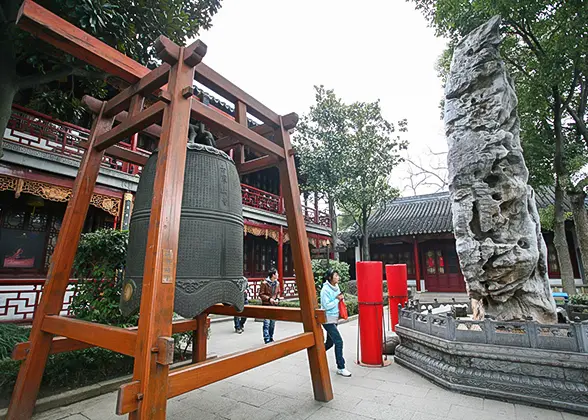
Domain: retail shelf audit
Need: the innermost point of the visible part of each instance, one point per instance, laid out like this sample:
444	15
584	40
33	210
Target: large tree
348	151
51	80
545	48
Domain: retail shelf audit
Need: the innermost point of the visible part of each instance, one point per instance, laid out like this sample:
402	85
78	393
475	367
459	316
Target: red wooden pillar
281	259
417	270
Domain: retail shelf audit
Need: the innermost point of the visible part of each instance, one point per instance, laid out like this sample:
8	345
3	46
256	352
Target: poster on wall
21	249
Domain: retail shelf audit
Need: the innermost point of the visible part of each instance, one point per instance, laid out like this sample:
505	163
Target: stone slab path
282	390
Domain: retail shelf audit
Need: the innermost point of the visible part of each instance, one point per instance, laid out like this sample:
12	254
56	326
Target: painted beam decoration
496	224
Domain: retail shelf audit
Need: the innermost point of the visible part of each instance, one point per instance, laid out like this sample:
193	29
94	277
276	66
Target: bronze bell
210	249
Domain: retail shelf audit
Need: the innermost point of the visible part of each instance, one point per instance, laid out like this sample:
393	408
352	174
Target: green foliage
579	299
544	48
10	335
72	369
98	266
348	151
130	27
547	217
320	267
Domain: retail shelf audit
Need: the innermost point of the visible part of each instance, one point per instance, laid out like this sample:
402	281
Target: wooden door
442	273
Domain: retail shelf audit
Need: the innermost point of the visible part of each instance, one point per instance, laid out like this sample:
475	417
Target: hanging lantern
210	249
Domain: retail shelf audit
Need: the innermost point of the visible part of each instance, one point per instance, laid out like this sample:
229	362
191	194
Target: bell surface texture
210	251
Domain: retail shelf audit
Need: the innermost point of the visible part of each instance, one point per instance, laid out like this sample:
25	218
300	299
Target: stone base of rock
551	379
392	341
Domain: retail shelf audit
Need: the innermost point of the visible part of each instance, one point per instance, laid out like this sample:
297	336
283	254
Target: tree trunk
560	241
581	226
333	216
365	243
8	80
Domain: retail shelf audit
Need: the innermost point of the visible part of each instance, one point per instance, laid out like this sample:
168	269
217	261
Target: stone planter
544	365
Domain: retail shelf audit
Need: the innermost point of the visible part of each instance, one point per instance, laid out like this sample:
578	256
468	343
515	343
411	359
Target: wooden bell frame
151	345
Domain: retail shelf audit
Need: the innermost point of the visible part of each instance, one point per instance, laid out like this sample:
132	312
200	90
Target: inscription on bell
208	262
167	266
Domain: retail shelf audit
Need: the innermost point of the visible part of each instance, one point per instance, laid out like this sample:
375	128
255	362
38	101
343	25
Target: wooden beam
64	344
266	312
219	122
94	106
146	86
132	125
319	369
56	31
67	37
157	294
109	337
255	165
122	153
169	51
154	130
217	83
196	376
28	382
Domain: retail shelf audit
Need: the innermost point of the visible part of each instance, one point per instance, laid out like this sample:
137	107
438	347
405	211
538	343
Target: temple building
418	231
37	171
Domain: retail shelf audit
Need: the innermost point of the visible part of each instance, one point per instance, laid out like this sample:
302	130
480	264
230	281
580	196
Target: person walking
330	297
269	294
239	321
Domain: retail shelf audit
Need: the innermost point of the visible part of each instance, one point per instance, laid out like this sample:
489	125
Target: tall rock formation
495	219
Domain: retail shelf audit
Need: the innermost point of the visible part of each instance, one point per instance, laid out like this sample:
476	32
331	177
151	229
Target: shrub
10	335
579	299
71	369
320	267
99	265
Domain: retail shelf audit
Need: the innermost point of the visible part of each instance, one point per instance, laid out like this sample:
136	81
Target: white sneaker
343	372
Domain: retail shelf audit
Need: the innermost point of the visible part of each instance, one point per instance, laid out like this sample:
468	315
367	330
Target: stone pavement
282	390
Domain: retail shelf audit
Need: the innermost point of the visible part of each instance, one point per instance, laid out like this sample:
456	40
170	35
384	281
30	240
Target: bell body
210	251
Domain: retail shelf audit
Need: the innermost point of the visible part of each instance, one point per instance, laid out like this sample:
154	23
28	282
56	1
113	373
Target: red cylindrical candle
397	290
369	296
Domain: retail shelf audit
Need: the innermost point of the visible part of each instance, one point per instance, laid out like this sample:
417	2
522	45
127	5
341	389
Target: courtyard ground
282	390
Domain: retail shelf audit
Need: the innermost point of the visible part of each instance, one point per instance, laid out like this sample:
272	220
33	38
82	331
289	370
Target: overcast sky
373	49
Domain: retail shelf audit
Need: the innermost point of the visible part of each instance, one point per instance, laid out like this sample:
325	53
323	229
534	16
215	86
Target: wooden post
28	382
319	369
281	259
417	271
200	339
157	300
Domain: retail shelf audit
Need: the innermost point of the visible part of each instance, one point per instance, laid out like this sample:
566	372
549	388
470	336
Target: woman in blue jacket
330	297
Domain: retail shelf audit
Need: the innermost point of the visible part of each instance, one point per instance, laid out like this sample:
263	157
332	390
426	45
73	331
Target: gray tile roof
425	214
421	214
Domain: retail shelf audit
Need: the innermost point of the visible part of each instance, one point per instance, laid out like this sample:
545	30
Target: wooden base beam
109	337
196	376
266	312
65	344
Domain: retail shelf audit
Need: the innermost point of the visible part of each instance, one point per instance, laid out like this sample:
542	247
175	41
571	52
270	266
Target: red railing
19	299
290	289
40	131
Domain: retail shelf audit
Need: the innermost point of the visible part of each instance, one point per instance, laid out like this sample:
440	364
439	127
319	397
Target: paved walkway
282	390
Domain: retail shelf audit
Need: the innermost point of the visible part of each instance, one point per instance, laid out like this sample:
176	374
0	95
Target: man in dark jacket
269	293
239	320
